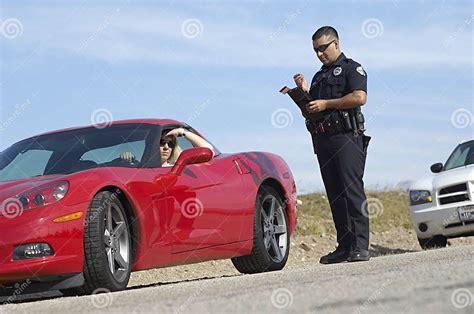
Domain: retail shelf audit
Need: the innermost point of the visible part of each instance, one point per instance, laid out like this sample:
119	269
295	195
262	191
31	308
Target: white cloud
144	34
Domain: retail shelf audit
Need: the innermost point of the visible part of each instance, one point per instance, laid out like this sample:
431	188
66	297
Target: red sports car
75	216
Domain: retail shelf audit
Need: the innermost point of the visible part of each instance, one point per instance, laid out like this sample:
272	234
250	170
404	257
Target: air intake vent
453	194
453	189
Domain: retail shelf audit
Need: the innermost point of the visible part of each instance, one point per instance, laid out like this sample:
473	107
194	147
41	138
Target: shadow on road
10	297
158	284
378	250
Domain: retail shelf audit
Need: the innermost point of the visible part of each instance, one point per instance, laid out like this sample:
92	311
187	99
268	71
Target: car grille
453	194
459	224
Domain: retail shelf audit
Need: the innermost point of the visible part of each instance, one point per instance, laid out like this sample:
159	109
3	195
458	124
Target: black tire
261	260
97	270
438	241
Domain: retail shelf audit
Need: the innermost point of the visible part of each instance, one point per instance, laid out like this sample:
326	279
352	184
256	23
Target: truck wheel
434	242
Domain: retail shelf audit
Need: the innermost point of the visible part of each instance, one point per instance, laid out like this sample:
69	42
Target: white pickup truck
442	205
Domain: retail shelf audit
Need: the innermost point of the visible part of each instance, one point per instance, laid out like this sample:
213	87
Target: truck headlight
418	197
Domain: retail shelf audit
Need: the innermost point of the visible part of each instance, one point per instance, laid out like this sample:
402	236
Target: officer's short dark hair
325	30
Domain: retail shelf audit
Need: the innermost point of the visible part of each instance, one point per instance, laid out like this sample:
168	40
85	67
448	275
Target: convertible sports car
76	217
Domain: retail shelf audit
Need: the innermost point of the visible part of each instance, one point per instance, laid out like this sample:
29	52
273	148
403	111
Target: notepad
301	98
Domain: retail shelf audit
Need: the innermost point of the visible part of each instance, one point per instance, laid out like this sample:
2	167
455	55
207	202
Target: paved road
436	281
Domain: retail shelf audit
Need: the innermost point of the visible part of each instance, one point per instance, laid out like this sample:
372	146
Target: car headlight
420	197
38	197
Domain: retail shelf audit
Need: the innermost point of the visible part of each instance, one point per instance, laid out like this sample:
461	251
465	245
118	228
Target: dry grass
387	209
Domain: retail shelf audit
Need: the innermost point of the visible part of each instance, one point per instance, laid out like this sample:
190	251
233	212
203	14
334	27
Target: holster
310	126
354	120
365	142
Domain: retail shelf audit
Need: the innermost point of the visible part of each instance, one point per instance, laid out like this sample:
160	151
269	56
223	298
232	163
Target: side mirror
437	167
191	156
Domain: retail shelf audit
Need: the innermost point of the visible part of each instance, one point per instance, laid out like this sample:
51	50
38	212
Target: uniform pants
341	159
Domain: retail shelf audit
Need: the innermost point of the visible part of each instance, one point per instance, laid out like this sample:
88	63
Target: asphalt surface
440	281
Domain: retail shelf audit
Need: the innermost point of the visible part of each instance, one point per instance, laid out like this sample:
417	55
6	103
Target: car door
207	209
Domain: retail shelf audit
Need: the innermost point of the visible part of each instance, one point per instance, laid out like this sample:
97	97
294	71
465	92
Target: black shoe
338	256
358	255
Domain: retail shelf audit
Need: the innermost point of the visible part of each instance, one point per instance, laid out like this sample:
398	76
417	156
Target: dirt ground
303	250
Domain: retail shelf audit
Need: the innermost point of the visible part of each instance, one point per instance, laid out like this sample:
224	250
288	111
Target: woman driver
169	147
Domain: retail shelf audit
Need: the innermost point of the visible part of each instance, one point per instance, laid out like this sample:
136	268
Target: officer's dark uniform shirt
340	78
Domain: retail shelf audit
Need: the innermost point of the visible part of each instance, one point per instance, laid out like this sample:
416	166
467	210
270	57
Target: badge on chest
337	71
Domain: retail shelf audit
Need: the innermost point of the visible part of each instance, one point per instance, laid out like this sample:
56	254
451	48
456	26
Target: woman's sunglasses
171	144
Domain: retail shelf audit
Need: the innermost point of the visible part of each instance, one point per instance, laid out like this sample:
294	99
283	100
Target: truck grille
453	194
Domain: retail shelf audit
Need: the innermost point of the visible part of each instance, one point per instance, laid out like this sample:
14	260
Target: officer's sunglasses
171	144
322	48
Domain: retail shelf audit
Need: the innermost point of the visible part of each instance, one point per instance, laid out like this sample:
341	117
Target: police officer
338	91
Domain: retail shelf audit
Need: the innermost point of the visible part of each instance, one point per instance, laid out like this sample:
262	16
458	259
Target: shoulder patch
360	70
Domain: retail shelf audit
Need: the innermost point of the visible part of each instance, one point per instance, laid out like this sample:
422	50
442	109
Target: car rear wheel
434	242
107	246
271	242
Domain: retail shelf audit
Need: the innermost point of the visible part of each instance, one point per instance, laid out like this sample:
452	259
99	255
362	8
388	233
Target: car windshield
72	151
462	156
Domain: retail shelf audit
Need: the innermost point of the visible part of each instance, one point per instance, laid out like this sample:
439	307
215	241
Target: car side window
184	143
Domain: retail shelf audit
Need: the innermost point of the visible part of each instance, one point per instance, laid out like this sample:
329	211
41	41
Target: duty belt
338	122
325	126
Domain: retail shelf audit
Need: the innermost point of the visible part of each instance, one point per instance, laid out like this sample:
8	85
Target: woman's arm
195	139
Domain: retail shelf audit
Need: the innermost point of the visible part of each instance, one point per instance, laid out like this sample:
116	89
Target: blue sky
219	65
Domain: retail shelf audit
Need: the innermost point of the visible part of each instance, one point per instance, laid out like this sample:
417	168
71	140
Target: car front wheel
107	246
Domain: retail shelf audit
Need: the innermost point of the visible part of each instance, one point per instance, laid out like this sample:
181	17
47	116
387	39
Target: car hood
11	188
445	178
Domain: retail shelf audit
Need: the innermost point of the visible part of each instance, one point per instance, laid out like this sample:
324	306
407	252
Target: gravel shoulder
434	281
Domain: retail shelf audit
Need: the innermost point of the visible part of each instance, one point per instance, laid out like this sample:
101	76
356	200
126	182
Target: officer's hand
316	105
301	82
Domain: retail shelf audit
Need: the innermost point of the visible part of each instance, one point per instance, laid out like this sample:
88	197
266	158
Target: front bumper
441	220
37	226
